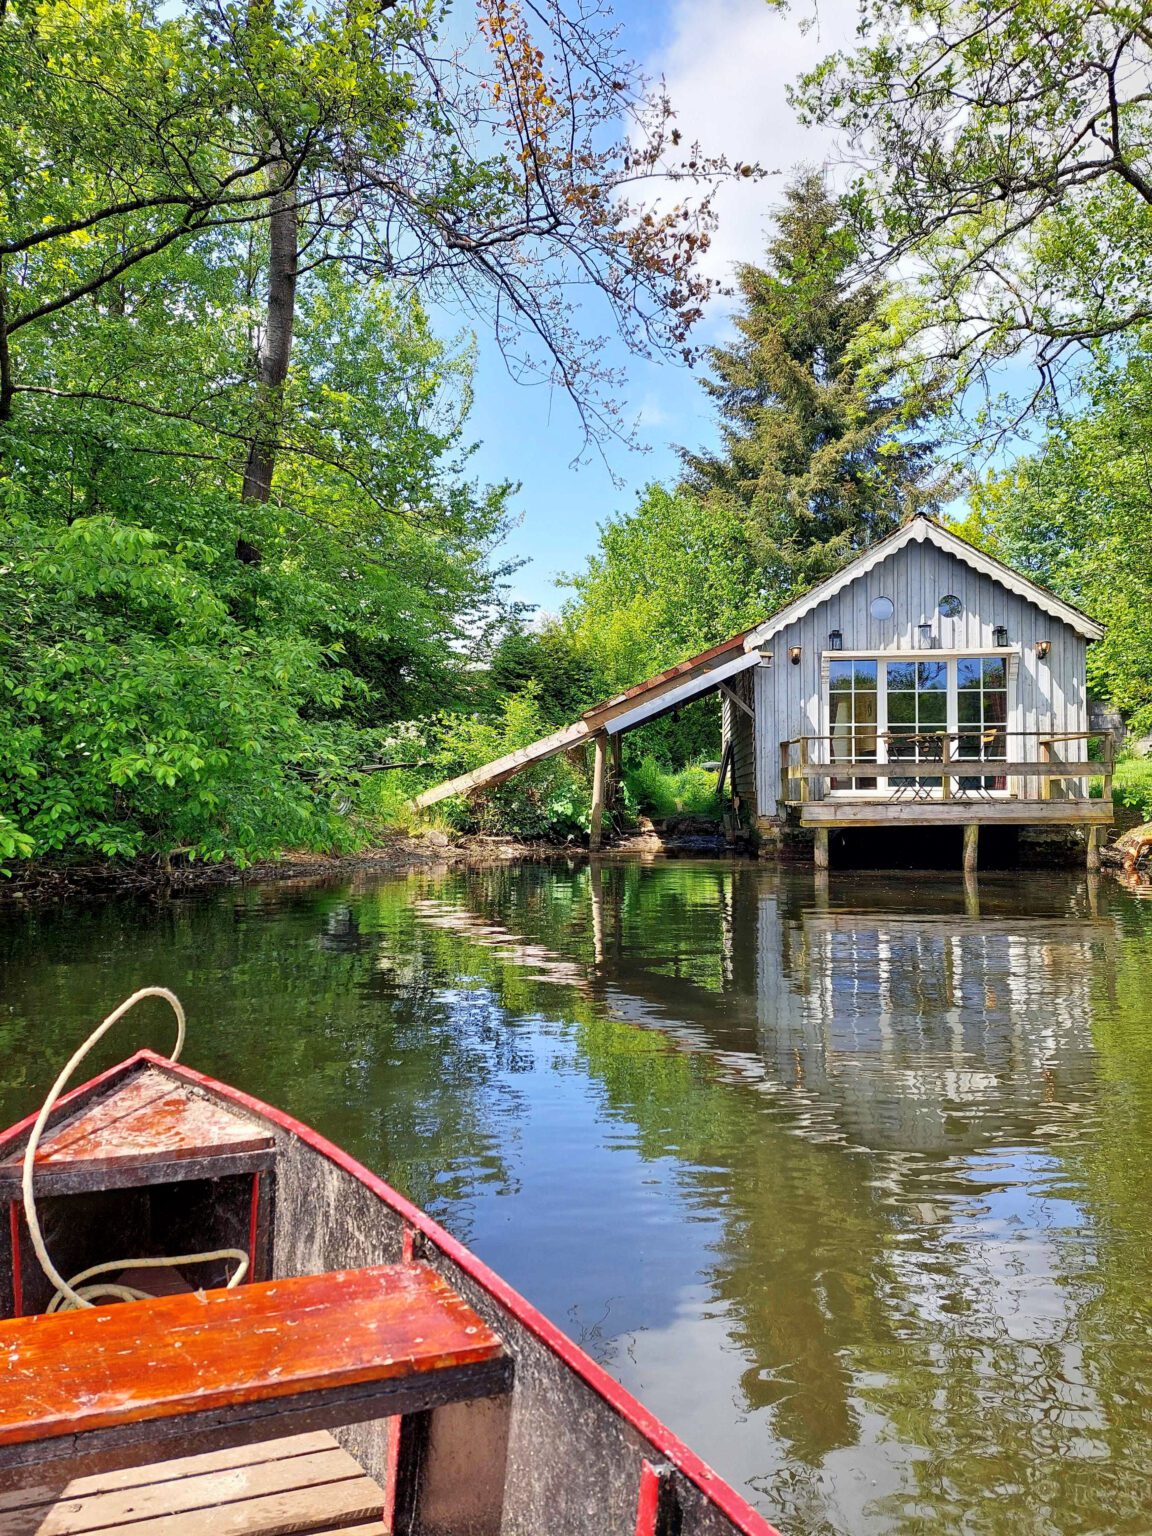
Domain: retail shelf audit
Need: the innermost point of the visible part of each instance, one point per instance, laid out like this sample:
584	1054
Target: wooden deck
303	1485
953	813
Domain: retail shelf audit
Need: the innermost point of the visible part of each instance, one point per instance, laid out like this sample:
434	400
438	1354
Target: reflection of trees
919	1143
897	1282
344	1011
802	1252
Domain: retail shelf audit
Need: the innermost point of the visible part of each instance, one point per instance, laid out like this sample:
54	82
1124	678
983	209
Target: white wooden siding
1049	693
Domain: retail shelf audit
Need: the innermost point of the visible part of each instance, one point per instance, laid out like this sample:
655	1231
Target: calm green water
850	1184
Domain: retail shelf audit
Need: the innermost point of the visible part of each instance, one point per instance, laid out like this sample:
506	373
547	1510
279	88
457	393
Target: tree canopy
1076	517
1007	162
820	451
241	541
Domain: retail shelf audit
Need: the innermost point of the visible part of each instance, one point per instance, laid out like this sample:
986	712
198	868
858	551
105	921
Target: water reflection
847	1177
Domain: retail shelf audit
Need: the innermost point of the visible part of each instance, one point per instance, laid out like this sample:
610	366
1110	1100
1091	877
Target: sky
727	64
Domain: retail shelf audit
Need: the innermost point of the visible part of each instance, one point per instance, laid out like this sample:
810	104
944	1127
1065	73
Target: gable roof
925	530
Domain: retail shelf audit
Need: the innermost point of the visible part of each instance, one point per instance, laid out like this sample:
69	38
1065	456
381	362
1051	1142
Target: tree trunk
275	349
7	382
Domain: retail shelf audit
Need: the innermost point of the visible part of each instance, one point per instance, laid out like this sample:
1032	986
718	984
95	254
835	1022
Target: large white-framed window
899	706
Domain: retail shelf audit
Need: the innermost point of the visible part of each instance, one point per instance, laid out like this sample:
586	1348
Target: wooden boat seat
242	1365
303	1484
151	1130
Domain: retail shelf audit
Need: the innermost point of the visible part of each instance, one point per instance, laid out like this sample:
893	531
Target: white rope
73	1294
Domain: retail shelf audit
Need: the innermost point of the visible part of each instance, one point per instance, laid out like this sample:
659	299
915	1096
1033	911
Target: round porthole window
881	609
951	607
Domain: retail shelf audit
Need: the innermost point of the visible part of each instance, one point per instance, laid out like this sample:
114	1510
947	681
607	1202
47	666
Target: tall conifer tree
820	453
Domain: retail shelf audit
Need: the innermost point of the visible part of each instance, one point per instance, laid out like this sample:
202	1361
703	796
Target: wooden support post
1093	850
615	778
946	763
785	765
971	846
596	891
599	778
804	785
820	848
1045	790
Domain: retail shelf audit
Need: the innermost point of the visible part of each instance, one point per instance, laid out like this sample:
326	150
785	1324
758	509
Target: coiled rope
74	1294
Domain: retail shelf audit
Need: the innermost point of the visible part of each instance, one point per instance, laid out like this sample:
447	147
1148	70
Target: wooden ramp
298	1486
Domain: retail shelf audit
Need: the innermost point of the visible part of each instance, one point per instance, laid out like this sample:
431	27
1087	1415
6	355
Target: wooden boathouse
924	684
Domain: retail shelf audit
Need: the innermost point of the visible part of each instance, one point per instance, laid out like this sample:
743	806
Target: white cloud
728	65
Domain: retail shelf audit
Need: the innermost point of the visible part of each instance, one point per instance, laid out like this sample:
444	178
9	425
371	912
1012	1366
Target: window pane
902	709
866	708
932	675
901	674
865	676
840	674
968	670
968	710
933	708
995	675
996	708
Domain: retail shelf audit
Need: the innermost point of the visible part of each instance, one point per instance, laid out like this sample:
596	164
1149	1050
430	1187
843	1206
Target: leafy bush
1131	786
654	792
549	800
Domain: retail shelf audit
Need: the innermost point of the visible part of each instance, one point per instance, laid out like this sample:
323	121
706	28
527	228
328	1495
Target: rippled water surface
849	1182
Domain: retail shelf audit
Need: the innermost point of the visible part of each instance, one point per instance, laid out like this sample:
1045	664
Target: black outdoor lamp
794	655
835	640
925	632
1000	636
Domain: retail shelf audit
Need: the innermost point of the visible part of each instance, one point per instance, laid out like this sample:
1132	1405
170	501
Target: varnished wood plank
75	1373
150	1121
246	1423
74	1514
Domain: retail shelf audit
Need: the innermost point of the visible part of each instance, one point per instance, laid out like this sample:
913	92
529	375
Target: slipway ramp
636	706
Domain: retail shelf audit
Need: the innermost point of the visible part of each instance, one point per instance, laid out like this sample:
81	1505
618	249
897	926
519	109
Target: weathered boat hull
568	1452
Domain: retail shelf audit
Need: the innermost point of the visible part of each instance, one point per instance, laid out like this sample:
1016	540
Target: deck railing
937	761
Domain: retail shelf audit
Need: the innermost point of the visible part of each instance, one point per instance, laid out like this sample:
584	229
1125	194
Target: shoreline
45	884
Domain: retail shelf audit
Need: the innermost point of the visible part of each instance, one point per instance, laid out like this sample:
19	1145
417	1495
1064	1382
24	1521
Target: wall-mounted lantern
1042	648
1000	636
836	640
925	633
794	655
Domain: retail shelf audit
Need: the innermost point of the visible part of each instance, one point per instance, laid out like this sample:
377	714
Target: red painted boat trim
617	1397
17	1277
253	1218
648	1504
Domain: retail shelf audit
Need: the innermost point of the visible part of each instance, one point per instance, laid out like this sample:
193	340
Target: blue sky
727	64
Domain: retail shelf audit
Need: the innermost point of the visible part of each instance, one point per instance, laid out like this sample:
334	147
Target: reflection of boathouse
886	1029
914	1028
